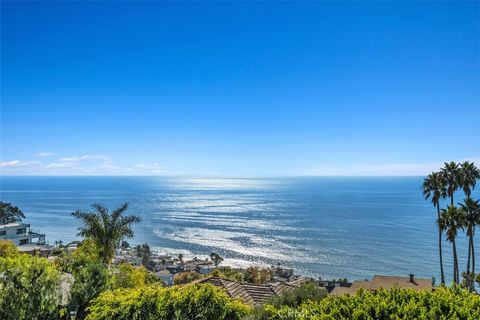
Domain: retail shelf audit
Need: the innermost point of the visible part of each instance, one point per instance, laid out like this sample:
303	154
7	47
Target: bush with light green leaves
442	304
194	301
29	288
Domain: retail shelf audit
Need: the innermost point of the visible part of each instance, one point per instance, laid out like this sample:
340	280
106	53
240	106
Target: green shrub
176	303
127	276
186	277
295	298
29	288
8	249
91	279
442	304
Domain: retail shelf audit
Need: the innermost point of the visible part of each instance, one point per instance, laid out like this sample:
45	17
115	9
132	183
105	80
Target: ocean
330	227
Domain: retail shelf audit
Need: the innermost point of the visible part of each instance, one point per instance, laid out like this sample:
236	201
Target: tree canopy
10	213
443	303
29	288
106	229
176	303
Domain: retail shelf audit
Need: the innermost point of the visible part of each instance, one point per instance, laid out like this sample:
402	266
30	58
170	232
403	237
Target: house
127	258
21	234
166	277
249	293
329	285
205	268
174	268
42	250
386	282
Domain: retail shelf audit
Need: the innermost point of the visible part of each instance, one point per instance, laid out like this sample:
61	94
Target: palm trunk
472	281
455	263
468	277
442	274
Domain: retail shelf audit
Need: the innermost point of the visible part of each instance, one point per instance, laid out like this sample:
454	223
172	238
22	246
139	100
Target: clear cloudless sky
238	88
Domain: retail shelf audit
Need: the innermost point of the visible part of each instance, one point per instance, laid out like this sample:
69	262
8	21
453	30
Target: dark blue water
330	227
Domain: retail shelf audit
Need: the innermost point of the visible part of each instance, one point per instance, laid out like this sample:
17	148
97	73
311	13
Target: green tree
10	213
29	288
469	174
452	175
106	229
186	277
69	261
292	299
91	279
144	252
443	303
434	187
257	275
127	276
471	213
451	219
216	258
189	302
8	249
125	245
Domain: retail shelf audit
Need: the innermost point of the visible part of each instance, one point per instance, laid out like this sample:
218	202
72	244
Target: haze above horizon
238	89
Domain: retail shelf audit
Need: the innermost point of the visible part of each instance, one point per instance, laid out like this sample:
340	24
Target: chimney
412	280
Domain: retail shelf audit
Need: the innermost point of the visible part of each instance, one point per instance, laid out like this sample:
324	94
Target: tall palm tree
469	174
471	212
106	229
452	174
434	188
451	219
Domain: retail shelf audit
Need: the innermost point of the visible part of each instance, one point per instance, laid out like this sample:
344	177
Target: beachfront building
21	234
386	282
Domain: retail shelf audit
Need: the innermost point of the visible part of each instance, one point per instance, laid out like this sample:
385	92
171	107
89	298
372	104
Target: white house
21	234
166	277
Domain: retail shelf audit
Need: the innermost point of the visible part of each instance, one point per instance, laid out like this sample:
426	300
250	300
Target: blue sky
352	88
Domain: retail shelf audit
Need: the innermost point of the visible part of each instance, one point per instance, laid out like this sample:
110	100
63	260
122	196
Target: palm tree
106	229
469	174
451	219
434	187
452	174
471	212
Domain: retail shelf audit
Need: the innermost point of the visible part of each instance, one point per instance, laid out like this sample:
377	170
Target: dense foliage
8	249
127	276
91	279
258	275
29	287
293	299
186	277
107	229
442	304
10	213
175	303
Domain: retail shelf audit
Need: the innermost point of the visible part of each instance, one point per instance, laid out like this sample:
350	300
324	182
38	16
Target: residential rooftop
386	282
249	293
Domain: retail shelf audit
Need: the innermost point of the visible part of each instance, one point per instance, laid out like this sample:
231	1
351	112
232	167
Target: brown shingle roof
249	293
386	282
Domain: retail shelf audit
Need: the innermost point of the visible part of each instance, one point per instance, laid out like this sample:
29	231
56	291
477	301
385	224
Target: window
24	241
3	232
22	231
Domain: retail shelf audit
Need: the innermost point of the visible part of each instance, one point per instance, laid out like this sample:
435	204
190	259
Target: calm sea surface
329	227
